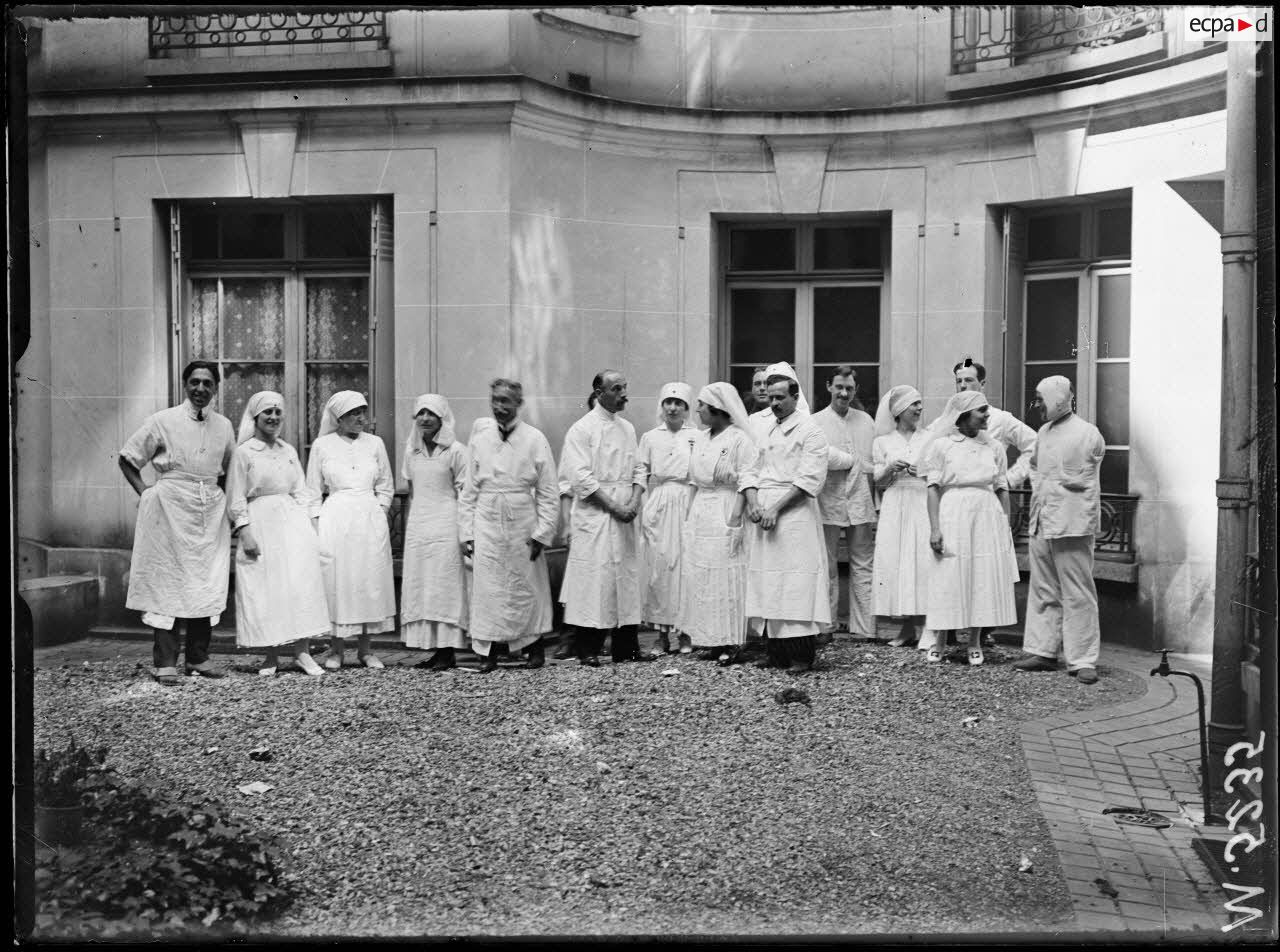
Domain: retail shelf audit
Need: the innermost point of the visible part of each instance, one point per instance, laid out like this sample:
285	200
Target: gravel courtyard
619	800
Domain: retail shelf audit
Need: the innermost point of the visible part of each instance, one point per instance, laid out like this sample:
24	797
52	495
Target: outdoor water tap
1165	671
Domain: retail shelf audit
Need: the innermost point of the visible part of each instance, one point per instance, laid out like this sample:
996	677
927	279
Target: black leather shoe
536	655
589	662
488	664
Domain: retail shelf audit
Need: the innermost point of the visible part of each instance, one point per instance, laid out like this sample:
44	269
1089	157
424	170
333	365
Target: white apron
787	573
601	587
280	595
355	557
434	583
511	594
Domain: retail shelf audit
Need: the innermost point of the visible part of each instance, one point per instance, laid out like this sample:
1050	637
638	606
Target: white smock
662	464
846	498
713	598
971	585
434	581
509	497
601	587
355	543
787	566
181	562
903	558
280	592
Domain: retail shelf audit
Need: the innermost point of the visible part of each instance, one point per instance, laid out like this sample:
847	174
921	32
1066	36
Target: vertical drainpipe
1234	487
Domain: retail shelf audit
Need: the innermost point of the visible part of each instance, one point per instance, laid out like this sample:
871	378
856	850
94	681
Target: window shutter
177	285
381	324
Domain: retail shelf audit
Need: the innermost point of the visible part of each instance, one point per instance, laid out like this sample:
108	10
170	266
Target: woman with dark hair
280	596
355	543
180	567
435	584
662	467
713	596
971	586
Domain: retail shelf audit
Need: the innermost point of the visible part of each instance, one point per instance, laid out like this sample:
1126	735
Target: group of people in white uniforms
734	536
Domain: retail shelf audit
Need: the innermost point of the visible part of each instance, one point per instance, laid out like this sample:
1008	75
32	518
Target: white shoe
267	672
975	656
371	661
333	662
308	664
933	656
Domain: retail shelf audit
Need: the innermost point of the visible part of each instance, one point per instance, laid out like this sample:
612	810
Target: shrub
158	863
58	777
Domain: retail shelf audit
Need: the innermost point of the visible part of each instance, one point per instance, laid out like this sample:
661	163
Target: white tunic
508	498
181	560
279	593
662	464
434	582
1067	449
355	544
601	587
787	567
846	498
972	583
713	596
903	558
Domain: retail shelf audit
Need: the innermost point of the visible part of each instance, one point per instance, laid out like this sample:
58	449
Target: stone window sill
244	67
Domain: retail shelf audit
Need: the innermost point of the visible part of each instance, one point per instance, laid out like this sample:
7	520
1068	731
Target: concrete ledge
989	78
244	67
63	607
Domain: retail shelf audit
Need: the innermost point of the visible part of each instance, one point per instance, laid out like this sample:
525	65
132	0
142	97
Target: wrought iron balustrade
1115	534
349	31
1011	35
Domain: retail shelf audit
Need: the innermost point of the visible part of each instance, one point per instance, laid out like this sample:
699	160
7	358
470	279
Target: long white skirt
429	635
280	594
713	596
972	583
903	560
355	557
661	533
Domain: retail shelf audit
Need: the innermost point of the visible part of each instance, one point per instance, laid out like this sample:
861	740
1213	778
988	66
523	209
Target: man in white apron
601	588
181	560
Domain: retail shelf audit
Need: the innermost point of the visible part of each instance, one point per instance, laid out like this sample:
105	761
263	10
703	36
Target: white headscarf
262	400
444	436
959	404
677	391
892	404
785	370
340	404
724	397
1055	392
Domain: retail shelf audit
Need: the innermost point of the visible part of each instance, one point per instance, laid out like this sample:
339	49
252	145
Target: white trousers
862	551
1062	601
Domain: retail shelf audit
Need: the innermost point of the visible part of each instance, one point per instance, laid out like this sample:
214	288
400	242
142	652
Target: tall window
1075	308
283	298
809	293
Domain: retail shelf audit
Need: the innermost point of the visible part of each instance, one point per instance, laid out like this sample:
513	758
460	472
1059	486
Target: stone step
63	607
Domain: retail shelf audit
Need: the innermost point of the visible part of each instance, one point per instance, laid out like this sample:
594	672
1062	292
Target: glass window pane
250	234
1053	309
763	325
1114	230
848	247
203	343
338	318
1034	374
253	318
1113	402
1113	316
336	231
846	325
867	397
1115	471
1050	237
242	381
201	230
762	249
323	381
740	377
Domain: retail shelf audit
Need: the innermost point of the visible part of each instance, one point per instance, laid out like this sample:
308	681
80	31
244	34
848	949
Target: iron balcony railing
994	36
350	31
1115	534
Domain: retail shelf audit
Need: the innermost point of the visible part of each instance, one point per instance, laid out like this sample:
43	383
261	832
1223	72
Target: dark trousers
625	641
164	650
785	651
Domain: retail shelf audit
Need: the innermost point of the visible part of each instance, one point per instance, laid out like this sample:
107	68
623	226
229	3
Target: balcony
1001	48
227	46
1114	556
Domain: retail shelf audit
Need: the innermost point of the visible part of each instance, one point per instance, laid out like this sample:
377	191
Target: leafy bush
58	777
158	863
